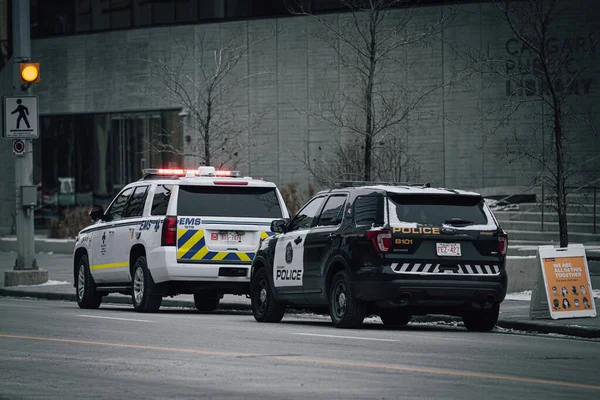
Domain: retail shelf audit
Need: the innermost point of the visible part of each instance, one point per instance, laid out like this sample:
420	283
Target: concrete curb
520	325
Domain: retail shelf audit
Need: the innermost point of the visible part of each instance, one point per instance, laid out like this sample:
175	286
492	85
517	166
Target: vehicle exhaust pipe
404	299
489	301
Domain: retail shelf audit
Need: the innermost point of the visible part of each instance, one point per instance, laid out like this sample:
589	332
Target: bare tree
370	43
542	74
205	80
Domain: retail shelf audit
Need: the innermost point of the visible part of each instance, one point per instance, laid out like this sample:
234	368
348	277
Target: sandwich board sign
563	288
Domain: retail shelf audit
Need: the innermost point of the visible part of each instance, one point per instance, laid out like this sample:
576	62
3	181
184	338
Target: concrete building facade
100	108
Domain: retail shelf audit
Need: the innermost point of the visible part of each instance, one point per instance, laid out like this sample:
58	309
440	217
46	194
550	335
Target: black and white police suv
387	249
176	232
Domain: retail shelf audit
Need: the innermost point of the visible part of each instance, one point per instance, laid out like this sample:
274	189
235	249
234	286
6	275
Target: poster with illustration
567	282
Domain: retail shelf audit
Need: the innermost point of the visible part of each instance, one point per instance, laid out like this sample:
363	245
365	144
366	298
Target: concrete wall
104	72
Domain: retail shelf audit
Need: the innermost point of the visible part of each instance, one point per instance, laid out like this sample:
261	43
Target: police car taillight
169	232
382	240
502	243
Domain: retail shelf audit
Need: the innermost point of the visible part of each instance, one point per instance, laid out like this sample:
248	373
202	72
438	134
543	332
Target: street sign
21	117
18	147
563	287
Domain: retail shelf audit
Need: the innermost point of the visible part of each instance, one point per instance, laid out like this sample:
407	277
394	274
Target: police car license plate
448	249
230	237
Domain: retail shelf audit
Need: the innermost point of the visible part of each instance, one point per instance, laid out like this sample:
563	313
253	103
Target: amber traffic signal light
30	73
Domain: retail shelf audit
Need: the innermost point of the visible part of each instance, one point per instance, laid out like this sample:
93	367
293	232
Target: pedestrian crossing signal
30	73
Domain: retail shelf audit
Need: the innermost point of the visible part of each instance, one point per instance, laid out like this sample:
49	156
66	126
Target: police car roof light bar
367	183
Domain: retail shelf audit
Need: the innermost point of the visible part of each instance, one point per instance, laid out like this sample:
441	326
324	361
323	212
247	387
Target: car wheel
394	317
143	285
206	301
482	320
345	310
85	289
264	306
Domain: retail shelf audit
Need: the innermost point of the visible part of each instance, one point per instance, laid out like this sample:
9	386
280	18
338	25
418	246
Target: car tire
85	289
206	301
482	320
142	286
394	317
264	306
346	311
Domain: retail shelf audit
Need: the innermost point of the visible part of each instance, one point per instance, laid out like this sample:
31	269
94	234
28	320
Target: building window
101	153
100	15
83	15
163	12
120	14
186	10
142	12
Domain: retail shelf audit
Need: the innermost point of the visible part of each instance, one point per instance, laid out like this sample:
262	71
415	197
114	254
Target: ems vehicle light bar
193	172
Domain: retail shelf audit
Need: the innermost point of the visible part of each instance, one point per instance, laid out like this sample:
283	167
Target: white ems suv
176	232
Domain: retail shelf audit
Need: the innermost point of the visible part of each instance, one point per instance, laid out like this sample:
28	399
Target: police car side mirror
96	213
278	226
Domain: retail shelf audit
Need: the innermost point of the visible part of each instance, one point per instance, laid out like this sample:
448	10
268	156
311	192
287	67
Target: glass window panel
160	202
117	208
333	211
163	11
135	208
306	216
83	15
142	12
211	9
100	15
186	10
120	14
238	8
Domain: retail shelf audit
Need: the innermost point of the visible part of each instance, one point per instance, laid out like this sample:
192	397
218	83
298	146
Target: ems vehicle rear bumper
164	267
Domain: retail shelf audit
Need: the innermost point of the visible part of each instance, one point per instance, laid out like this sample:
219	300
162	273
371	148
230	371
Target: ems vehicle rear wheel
206	301
345	310
143	285
394	317
482	320
87	297
264	306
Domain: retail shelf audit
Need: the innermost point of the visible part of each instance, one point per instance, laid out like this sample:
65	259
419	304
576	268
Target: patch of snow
524	296
596	293
49	283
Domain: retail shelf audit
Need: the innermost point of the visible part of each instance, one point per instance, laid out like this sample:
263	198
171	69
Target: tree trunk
560	181
207	160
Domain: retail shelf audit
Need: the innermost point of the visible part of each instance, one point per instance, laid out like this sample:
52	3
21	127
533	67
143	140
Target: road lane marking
133	346
115	318
344	337
296	359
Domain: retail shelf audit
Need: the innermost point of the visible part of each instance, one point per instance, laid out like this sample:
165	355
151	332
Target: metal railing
588	193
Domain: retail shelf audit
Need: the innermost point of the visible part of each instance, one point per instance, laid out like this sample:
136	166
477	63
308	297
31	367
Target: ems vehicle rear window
214	201
437	209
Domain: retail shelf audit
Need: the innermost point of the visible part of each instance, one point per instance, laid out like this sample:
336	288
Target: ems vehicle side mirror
96	213
278	226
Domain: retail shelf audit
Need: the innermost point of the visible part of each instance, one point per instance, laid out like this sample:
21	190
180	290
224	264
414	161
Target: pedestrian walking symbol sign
21	117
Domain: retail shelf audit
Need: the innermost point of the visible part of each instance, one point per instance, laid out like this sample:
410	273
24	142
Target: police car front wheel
143	285
264	306
346	311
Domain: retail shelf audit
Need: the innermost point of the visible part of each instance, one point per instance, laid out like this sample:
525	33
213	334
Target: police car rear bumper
432	292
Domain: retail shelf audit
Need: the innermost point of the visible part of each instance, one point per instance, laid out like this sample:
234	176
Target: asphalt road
52	349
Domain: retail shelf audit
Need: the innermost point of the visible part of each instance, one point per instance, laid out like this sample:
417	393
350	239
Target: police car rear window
437	209
242	202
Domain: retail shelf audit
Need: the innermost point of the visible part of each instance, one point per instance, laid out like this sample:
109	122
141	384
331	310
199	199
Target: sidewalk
514	314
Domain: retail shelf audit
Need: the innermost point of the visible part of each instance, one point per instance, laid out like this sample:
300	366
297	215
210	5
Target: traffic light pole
26	271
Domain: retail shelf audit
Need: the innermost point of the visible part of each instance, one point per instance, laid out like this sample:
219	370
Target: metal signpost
21	124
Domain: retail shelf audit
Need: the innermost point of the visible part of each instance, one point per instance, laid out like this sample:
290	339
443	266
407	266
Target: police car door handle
111	232
298	240
331	236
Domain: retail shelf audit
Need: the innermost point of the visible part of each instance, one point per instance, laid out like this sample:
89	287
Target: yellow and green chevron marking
191	245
